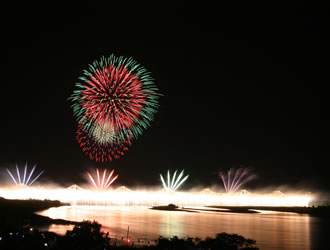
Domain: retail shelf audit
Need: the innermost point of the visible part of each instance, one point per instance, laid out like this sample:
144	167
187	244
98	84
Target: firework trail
102	183
24	179
235	179
174	183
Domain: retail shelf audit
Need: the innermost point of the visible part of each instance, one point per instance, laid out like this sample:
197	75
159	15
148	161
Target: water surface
271	230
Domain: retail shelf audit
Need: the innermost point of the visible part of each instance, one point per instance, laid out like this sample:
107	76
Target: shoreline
172	207
19	217
19	226
22	213
321	211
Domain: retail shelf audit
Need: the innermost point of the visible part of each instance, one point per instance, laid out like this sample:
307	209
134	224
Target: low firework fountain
173	183
233	180
24	178
102	183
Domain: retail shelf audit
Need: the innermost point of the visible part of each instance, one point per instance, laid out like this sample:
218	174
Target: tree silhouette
227	242
86	235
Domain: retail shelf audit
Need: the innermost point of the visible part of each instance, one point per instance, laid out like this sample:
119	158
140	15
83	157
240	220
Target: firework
104	134
24	179
235	179
102	183
100	151
175	182
115	92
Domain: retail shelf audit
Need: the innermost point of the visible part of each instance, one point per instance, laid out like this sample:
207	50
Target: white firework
24	178
175	182
233	180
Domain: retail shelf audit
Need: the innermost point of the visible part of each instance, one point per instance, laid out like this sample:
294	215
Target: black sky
242	85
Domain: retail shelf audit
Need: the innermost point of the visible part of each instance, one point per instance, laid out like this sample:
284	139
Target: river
271	230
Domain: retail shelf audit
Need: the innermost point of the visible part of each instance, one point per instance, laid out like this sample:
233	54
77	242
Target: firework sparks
116	91
233	180
174	183
102	183
100	152
24	178
104	134
114	102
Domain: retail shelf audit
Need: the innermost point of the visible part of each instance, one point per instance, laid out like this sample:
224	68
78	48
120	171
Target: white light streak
173	185
21	180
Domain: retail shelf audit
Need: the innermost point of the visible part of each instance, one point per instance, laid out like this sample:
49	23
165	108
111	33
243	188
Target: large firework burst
118	91
175	182
24	178
113	103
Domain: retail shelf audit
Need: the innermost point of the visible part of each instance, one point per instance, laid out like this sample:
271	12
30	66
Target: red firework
100	152
116	98
116	91
114	102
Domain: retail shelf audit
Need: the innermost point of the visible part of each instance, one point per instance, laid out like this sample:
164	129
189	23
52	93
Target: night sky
242	86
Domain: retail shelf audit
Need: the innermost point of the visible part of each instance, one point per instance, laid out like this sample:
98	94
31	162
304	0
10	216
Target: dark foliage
88	236
227	241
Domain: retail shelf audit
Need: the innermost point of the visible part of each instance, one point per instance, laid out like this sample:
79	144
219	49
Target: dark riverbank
18	214
172	207
87	235
322	211
227	210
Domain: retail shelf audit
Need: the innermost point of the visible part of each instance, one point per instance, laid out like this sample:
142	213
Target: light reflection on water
271	230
